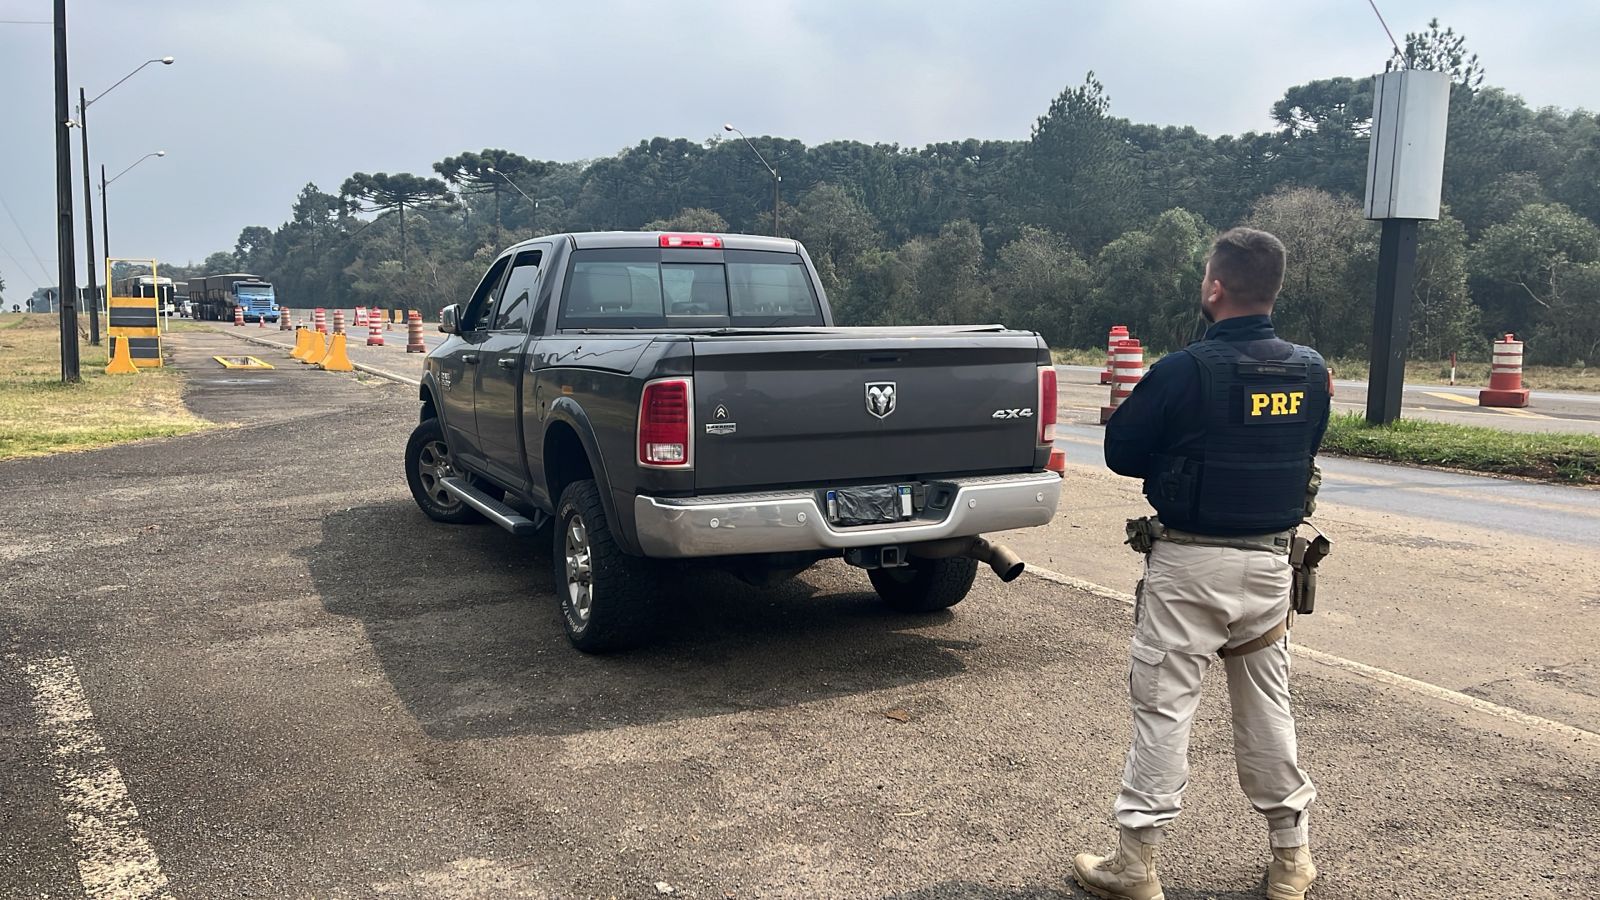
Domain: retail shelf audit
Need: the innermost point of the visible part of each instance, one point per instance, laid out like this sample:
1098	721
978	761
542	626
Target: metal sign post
1405	175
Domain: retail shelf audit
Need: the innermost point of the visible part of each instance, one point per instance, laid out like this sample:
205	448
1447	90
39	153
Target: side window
480	307
516	301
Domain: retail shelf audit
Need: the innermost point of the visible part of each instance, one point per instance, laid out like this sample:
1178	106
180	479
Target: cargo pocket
1144	675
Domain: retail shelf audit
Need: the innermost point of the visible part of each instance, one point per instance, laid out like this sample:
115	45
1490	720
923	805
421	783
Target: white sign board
1405	160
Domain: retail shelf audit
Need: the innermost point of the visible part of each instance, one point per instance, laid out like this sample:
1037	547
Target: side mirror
447	320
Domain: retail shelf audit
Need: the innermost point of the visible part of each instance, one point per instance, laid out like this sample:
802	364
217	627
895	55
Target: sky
267	96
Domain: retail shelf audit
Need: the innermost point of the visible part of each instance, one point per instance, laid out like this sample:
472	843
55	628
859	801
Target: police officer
1224	434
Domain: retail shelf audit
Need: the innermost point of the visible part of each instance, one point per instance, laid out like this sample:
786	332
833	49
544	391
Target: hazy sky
266	96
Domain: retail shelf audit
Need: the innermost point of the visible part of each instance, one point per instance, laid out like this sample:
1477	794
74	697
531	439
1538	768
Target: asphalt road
241	663
1562	411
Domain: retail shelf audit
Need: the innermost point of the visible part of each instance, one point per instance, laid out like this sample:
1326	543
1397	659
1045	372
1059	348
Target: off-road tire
926	585
427	443
622	589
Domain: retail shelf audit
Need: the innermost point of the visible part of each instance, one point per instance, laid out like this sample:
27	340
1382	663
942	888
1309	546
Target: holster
1304	556
1143	533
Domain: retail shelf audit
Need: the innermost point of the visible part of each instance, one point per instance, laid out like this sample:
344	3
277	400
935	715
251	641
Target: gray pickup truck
687	397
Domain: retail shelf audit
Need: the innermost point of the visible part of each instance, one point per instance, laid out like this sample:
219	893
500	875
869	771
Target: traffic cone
283	320
1127	368
1505	377
414	342
336	360
374	330
317	350
238	316
121	358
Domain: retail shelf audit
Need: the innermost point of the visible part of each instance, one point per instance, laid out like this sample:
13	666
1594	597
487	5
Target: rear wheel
428	463
925	585
607	596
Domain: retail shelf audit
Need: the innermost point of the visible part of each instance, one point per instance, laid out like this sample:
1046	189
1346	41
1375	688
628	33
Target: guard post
1405	175
136	318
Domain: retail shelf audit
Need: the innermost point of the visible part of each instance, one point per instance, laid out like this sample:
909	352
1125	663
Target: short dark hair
1249	263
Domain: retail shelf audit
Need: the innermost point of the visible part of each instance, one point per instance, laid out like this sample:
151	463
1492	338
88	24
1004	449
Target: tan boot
1129	873
1290	873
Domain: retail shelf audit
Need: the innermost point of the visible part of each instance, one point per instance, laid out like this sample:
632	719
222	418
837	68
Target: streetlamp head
490	170
167	60
161	153
727	126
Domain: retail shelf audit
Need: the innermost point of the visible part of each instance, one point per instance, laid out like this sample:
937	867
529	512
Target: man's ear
1218	294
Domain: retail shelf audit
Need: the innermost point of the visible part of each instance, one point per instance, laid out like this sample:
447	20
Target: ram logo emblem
880	398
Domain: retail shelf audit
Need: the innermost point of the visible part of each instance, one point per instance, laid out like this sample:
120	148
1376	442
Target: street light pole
67	255
777	180
105	217
88	224
88	195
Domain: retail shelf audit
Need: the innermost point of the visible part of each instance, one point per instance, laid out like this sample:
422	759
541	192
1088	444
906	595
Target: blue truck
214	297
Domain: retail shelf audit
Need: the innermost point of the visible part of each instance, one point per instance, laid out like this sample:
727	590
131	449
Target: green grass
1565	458
39	414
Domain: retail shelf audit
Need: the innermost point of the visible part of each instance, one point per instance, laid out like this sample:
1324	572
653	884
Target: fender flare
428	394
567	410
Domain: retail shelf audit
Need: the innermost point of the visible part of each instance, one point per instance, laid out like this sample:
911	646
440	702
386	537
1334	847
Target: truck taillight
705	241
666	414
1047	405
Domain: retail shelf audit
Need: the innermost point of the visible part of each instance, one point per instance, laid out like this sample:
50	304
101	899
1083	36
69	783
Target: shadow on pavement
465	626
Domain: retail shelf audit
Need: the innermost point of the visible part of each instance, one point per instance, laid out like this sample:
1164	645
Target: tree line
1093	220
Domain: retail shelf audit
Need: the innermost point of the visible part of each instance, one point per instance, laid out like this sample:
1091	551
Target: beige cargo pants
1195	600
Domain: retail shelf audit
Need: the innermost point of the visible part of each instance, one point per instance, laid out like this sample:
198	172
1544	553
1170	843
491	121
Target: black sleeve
1142	425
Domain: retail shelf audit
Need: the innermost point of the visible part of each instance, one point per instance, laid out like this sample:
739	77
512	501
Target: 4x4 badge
880	398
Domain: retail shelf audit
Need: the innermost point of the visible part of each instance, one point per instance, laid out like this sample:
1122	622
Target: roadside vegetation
1565	458
40	415
1093	220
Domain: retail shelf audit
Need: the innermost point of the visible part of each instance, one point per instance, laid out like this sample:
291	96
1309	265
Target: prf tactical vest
1264	402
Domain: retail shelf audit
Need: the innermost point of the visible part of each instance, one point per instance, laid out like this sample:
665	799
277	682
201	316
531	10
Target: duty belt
1144	532
1304	556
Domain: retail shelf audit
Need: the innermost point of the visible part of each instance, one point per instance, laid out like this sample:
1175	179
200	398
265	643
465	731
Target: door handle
469	357
506	362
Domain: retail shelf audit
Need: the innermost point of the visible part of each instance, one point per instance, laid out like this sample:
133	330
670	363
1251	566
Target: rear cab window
650	287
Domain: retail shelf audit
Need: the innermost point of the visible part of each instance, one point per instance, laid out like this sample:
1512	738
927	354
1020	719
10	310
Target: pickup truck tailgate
828	408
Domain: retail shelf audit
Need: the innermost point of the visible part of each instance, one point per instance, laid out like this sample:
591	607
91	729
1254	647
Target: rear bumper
740	524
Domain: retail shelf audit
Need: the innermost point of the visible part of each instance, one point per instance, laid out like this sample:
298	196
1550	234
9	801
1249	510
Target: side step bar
492	509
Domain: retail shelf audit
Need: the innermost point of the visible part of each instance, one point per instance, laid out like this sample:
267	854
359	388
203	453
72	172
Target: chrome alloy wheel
433	467
580	570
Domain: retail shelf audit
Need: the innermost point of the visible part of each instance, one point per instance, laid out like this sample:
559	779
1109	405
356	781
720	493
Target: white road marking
115	859
1384	676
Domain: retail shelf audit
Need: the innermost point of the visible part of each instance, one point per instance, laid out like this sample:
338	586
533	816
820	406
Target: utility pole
65	252
88	224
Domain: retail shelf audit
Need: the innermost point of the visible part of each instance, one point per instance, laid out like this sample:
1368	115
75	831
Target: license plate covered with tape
874	505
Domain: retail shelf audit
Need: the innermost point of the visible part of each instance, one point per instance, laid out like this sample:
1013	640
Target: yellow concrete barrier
301	345
121	358
336	360
317	350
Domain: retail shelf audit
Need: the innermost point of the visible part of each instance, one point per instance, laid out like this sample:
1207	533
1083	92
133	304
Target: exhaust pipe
1007	565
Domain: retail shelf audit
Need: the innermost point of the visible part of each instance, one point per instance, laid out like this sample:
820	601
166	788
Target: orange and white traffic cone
1505	376
319	319
374	330
414	343
1118	333
238	316
283	319
1127	368
338	321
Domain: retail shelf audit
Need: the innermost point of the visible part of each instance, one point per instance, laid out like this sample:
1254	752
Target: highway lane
1569	515
1559	411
